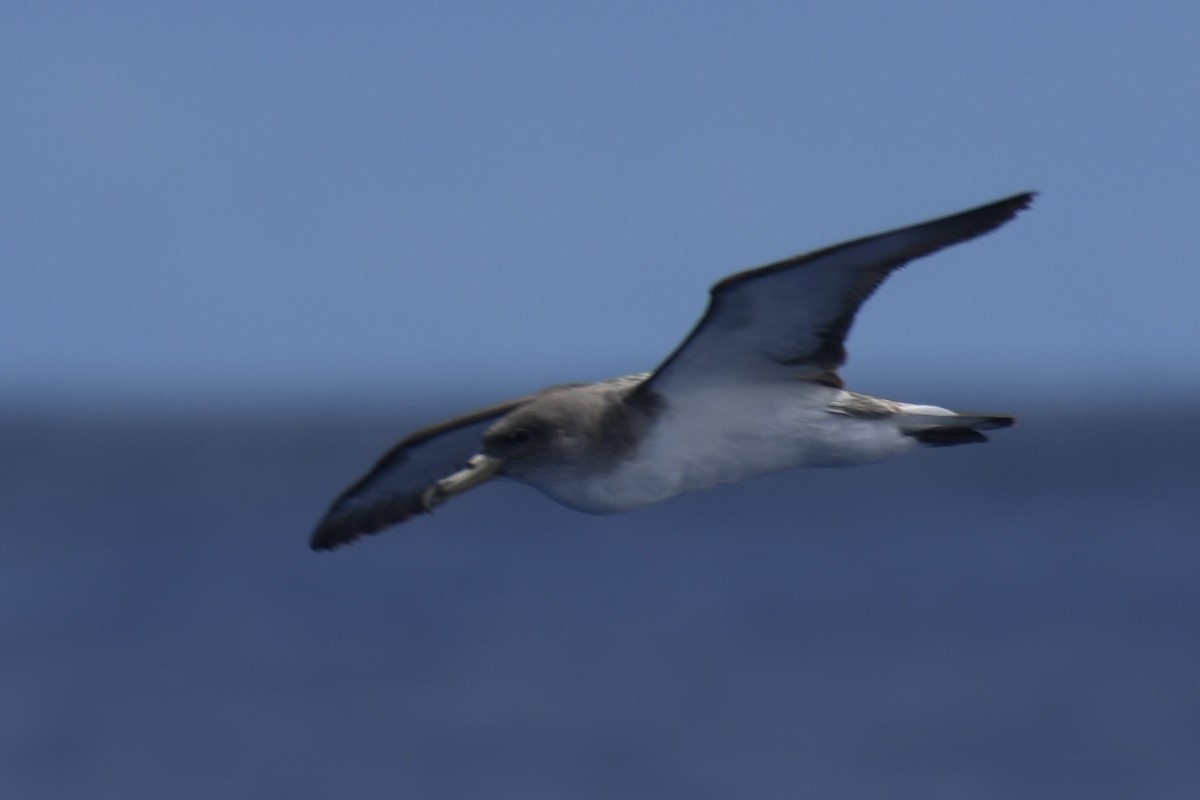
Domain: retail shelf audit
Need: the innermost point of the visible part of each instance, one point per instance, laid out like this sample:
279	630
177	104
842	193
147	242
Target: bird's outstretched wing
393	491
791	318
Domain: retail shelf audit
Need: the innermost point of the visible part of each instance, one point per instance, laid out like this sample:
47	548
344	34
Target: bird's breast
710	441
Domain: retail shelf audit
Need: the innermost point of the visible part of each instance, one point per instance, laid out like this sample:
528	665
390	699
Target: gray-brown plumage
753	388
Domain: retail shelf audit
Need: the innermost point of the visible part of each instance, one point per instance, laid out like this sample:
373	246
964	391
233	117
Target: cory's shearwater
753	389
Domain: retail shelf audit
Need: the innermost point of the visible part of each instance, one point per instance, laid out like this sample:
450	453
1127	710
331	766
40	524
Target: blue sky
377	202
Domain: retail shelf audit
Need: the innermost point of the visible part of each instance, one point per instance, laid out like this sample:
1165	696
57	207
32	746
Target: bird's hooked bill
480	469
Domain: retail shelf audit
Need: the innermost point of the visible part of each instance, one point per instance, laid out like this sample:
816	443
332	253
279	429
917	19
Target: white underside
732	433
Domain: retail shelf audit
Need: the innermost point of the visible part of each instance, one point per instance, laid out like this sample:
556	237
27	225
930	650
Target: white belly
728	436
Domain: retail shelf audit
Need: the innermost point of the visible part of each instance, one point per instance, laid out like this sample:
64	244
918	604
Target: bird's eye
521	435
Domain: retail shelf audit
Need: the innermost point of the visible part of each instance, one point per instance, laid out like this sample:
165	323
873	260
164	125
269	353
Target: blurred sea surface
1015	620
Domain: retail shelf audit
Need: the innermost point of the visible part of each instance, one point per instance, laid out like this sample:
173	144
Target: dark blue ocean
1014	620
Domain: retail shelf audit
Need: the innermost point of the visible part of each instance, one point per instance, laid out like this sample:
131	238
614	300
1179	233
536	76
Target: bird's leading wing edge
393	490
791	318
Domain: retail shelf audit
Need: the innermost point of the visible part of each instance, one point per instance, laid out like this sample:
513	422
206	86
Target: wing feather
391	491
791	318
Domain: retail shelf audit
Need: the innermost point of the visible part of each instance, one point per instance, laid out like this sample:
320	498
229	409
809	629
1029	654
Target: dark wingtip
330	537
336	530
332	534
989	216
323	539
1019	202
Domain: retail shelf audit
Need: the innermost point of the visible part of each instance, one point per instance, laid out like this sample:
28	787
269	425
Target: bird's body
753	389
778	426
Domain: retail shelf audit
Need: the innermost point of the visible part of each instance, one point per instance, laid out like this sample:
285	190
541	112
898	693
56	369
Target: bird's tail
937	430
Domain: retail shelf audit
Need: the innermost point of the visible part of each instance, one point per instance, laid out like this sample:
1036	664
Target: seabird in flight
753	389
